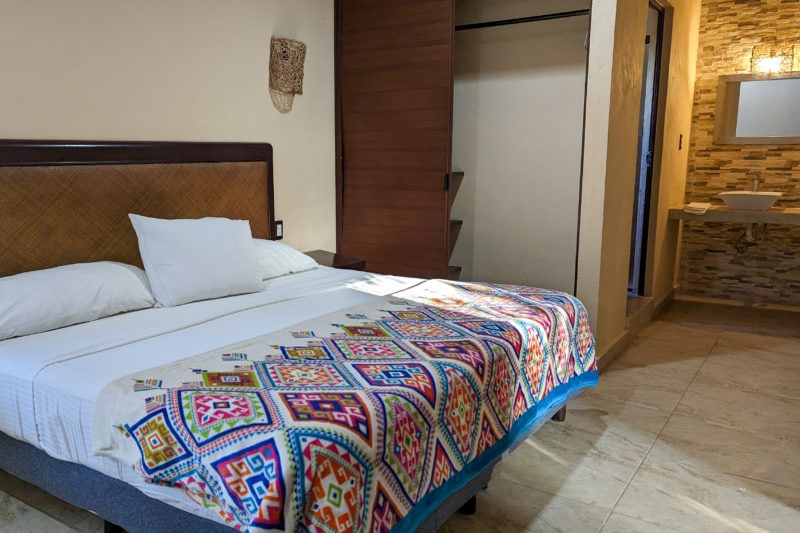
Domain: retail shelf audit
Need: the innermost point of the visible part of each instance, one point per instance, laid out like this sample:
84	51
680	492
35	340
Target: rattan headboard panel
77	212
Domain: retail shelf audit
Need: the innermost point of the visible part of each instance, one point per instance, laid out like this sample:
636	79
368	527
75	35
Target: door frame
643	245
659	111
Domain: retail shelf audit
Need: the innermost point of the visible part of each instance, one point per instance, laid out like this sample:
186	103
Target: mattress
49	381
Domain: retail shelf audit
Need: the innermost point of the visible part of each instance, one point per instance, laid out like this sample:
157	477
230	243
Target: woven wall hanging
286	58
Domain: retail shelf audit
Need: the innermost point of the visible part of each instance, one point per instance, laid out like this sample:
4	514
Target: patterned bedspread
360	421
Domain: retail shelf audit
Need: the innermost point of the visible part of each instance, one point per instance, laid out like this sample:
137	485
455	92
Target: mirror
758	109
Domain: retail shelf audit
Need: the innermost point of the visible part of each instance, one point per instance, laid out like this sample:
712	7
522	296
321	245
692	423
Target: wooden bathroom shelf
720	213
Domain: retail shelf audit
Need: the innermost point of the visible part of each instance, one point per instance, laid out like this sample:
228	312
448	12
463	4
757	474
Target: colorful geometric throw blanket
359	421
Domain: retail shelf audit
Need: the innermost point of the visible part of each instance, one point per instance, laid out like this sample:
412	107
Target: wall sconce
286	58
772	59
796	62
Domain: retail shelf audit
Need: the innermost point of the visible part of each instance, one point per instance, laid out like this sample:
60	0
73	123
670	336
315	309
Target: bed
354	401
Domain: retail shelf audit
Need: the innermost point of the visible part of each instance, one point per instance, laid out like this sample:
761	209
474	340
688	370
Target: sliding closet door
394	70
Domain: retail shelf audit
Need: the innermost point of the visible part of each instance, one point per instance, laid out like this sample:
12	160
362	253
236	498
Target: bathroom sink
750	200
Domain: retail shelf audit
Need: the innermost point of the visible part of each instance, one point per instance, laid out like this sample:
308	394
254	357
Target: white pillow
197	259
42	300
278	259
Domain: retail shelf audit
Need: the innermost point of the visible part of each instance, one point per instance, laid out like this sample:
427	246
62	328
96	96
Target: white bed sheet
49	382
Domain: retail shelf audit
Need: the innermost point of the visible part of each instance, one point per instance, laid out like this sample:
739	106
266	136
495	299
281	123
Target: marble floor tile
33	497
687	499
714	318
78	519
678	333
671	358
90	524
751	371
742	410
11	509
768	347
19	517
619	523
591	456
709	447
506	507
639	387
12	485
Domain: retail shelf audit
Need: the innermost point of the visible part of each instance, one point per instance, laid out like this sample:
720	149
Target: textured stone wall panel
710	265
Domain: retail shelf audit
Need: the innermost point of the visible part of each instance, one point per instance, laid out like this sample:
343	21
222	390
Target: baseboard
736	303
634	325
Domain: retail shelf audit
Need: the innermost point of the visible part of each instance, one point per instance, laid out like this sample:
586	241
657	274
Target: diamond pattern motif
371	416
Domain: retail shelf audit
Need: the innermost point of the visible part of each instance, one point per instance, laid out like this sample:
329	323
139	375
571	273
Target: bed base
113	500
560	415
108	527
125	508
469	508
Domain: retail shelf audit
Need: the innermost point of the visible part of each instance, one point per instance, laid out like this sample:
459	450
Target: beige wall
670	163
517	122
612	114
769	273
178	70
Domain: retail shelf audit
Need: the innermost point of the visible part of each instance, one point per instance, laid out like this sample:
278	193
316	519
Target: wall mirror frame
727	110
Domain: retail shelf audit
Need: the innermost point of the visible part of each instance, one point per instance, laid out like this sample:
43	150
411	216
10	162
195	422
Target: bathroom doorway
648	115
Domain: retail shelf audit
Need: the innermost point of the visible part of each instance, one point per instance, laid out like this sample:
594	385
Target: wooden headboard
65	202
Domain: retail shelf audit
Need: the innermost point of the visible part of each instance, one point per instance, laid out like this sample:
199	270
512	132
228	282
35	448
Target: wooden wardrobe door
395	85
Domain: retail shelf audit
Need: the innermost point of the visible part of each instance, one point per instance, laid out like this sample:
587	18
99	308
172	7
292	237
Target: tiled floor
695	427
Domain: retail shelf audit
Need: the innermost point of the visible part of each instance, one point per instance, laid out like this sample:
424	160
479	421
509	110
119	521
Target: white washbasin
750	200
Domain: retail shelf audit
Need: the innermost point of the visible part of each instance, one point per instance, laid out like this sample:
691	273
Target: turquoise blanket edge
531	420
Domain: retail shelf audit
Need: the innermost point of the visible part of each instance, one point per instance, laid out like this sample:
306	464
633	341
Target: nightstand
336	260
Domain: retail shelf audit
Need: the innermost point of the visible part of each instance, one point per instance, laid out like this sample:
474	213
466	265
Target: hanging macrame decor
286	58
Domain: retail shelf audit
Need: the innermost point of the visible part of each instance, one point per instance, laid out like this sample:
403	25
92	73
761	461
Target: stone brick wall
710	265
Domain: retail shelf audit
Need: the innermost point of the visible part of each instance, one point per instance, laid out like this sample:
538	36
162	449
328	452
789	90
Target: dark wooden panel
387	140
393	100
402	223
398	159
426	117
394	79
400	259
65	202
387	59
395	18
397	237
400	199
51	153
407	180
390	80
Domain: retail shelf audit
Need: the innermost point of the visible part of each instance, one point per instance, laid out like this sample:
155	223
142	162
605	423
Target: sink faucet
756	179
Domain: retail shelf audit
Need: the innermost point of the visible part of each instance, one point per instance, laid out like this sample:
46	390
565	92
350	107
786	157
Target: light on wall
286	59
771	59
796	62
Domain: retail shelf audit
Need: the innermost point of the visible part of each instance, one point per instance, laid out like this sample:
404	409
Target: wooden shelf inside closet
453	271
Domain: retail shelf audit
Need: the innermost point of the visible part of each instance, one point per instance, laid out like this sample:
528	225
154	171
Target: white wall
178	70
517	123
